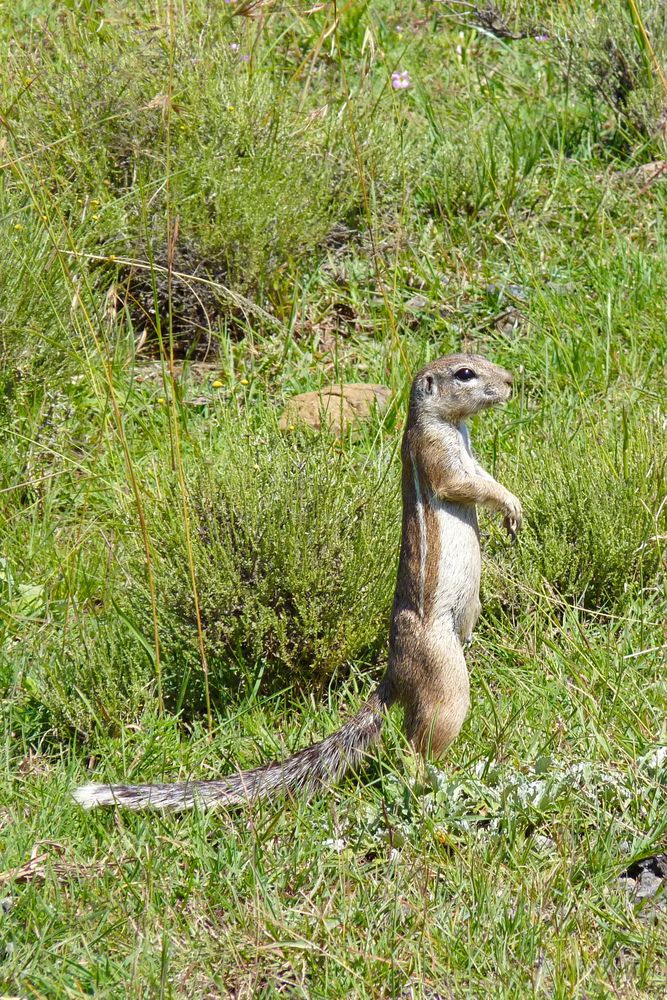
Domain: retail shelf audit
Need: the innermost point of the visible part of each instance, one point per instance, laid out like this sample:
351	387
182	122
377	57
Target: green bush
613	53
590	535
295	550
255	172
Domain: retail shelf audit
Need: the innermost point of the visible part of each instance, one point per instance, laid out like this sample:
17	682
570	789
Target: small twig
659	172
490	21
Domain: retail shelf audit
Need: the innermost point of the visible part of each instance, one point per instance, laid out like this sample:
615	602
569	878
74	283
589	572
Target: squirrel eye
464	374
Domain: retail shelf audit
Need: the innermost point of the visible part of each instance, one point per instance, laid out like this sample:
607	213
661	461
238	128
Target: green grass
185	589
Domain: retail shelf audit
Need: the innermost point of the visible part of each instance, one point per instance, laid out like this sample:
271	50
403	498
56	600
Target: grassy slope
321	204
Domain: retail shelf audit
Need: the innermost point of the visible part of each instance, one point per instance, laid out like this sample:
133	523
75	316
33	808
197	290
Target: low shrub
590	535
294	548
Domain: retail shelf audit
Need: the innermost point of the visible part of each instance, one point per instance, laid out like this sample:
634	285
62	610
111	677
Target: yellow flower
17	225
161	400
217	384
244	381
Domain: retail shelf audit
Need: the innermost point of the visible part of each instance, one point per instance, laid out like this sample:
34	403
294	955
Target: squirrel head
458	386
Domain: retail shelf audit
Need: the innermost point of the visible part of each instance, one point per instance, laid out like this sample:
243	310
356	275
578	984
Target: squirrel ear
428	383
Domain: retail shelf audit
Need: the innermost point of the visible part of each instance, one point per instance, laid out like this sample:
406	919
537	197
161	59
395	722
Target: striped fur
423	538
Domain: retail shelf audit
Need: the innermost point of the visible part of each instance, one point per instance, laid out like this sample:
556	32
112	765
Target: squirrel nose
508	378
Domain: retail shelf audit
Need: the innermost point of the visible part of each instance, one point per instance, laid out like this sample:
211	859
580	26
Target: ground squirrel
436	604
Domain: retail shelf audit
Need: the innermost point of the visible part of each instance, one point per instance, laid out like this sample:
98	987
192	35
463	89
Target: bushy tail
304	772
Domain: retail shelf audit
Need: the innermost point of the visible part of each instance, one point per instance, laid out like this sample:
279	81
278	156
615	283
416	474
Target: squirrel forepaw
513	516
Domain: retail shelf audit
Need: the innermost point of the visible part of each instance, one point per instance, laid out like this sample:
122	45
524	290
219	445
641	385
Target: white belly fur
460	563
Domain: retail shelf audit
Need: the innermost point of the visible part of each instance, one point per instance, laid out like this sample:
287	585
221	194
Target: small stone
654	863
648	884
543	843
509	323
416	303
517	292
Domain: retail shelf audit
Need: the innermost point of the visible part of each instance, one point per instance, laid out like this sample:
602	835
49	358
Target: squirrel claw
511	526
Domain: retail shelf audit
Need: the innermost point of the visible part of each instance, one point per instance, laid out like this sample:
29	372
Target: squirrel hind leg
434	719
432	730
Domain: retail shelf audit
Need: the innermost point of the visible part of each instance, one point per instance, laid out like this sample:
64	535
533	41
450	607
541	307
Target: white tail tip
91	795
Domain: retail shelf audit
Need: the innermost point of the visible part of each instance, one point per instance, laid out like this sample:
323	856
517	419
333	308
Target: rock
518	292
543	843
656	864
509	323
416	303
647	885
646	881
336	407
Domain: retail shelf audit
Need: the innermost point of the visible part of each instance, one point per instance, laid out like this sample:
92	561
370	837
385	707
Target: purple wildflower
234	46
400	79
